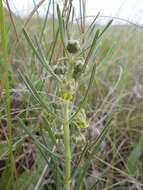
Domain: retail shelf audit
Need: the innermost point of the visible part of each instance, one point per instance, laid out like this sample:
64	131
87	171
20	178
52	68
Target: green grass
109	89
7	97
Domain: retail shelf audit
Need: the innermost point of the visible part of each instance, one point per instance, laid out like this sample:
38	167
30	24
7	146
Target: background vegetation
117	92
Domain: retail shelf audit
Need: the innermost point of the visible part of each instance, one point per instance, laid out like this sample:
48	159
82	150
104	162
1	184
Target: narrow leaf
34	92
54	46
93	22
87	92
43	61
50	132
77	168
91	50
91	155
37	142
106	27
45	21
134	156
61	27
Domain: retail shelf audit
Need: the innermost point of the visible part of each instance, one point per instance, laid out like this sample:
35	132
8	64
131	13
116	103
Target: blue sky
128	9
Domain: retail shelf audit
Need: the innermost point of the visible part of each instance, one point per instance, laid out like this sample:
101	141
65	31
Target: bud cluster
68	69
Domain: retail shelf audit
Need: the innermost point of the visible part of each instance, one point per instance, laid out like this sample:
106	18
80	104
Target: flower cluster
67	88
80	120
67	69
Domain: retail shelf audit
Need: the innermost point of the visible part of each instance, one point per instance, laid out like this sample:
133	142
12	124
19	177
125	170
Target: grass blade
90	157
8	109
91	25
45	21
134	156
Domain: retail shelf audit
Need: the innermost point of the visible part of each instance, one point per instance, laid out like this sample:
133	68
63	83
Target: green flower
67	88
80	139
80	120
66	95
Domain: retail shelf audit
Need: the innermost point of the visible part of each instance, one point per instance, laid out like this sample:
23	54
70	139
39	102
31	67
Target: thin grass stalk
4	49
45	21
53	23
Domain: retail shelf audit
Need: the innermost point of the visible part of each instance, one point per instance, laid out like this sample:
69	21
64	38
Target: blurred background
131	10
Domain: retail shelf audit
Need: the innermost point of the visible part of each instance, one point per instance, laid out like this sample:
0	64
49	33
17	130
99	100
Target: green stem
67	146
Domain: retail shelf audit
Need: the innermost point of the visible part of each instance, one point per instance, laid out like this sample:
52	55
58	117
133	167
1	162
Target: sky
131	10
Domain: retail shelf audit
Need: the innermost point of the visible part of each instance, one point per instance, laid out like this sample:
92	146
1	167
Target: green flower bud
59	135
66	95
60	69
77	68
73	46
67	88
80	139
80	120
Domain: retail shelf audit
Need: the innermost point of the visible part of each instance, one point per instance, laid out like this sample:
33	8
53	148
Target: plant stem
67	146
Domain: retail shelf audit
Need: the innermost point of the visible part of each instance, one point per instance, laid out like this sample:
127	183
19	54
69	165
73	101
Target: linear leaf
34	92
37	142
91	155
106	27
77	168
61	27
87	92
91	50
39	48
43	61
50	132
54	45
98	14
134	156
45	21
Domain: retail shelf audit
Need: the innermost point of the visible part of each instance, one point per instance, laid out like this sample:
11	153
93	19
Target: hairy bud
73	46
77	68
